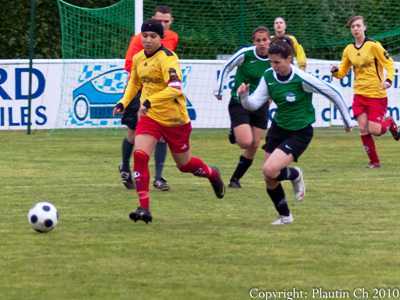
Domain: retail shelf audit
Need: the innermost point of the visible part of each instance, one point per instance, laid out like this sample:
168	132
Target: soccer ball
43	217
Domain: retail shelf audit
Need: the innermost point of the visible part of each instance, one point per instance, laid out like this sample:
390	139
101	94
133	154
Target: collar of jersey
148	56
286	81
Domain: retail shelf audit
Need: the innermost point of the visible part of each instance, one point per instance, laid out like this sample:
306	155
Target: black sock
126	154
288	173
159	157
241	168
277	196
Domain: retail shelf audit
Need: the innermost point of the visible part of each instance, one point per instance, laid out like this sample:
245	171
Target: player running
291	132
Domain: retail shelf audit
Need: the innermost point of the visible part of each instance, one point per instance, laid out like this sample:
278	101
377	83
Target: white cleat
299	188
283	220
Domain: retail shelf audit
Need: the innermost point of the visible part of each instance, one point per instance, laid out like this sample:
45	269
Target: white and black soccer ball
43	217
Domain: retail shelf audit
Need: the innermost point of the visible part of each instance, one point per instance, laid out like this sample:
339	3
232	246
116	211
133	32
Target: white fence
81	93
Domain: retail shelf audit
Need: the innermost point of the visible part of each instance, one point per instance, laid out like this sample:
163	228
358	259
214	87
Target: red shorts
177	137
375	108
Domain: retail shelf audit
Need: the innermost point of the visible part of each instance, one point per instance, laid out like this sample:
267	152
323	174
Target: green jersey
293	98
250	68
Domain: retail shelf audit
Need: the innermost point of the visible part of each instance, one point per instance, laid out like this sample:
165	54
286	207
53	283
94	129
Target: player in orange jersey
368	59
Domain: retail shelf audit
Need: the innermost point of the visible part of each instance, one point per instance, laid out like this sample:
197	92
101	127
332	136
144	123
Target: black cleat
235	184
217	184
141	214
126	178
394	131
231	137
161	184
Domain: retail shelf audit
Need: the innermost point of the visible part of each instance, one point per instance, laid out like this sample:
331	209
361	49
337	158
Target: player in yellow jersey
162	114
280	31
368	59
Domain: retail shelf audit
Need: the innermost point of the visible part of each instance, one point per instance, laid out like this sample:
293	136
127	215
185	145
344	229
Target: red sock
142	177
385	124
369	147
197	167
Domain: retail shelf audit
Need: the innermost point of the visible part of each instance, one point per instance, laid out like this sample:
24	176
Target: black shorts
129	117
239	115
289	141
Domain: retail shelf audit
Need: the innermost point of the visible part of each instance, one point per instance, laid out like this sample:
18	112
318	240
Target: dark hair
153	26
259	29
282	46
164	9
352	19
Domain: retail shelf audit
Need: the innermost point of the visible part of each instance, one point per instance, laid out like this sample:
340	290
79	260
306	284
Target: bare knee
270	173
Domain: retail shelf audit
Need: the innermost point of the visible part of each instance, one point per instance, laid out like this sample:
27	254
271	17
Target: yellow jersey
368	62
159	77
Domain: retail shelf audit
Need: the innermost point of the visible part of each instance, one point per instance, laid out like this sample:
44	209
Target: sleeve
300	54
135	46
344	67
383	57
312	84
257	98
236	60
133	87
172	76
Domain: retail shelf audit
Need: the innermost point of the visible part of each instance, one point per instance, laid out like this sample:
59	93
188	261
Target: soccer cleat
374	165
231	137
161	184
217	183
235	184
394	131
126	178
141	214
283	220
299	188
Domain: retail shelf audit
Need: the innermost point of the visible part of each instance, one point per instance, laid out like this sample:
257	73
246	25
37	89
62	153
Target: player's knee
245	143
270	172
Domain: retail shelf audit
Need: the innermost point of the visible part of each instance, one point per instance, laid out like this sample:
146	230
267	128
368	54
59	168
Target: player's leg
274	163
248	129
282	148
147	134
360	111
160	155
178	140
129	118
378	124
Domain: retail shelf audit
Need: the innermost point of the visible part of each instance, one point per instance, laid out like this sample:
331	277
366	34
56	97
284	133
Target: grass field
345	235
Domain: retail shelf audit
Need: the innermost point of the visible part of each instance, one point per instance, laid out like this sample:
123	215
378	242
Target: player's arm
383	57
344	66
257	99
172	76
133	87
312	84
234	61
299	53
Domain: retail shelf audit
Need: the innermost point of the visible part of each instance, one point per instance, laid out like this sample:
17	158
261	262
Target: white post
138	15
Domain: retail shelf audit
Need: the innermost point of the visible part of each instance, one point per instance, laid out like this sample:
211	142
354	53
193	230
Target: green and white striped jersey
250	68
293	98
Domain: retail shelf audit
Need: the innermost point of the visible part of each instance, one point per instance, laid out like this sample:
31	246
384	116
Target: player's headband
153	26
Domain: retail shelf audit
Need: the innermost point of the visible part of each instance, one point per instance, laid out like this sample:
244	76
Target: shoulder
171	34
166	52
304	76
244	50
292	37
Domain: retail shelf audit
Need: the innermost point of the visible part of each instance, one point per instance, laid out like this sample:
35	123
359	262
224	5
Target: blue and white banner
82	93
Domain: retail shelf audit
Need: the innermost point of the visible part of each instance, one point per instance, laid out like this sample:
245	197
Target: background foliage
213	27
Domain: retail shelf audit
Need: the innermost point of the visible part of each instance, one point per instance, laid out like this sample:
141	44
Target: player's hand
334	69
118	109
243	88
142	110
386	84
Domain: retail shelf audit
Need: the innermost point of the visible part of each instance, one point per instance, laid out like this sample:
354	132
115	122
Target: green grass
345	234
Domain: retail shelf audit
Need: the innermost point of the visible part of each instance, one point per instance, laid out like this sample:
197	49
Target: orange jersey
368	62
170	41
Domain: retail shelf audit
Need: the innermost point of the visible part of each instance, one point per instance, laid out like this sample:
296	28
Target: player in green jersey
248	126
291	132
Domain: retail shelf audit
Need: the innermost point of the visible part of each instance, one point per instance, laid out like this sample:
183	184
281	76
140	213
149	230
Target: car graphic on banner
99	91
